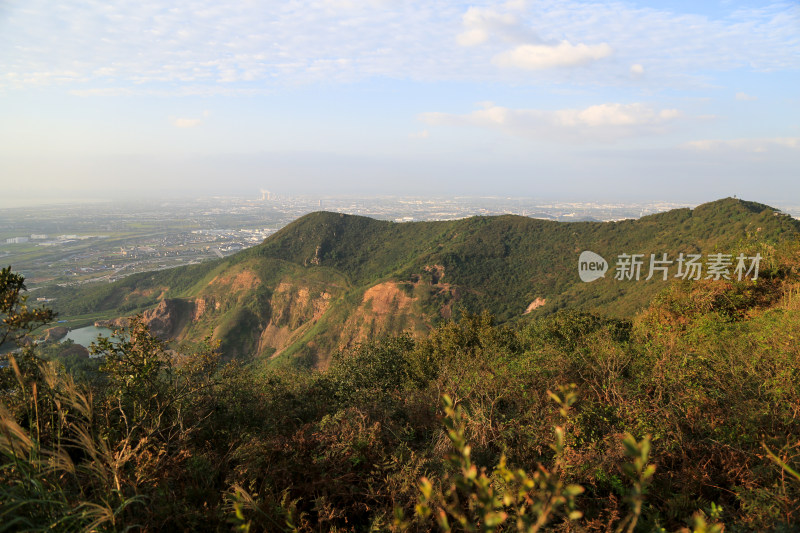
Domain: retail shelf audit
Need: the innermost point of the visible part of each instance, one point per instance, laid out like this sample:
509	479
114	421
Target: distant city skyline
568	100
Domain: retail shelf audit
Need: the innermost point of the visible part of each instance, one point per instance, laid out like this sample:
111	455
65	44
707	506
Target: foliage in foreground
706	379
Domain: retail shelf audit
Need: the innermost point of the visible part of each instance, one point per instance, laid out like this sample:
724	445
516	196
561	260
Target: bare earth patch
295	309
276	337
200	305
140	292
244	280
536	304
381	305
387	298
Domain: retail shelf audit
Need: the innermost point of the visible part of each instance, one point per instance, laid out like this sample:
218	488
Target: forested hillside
682	418
329	281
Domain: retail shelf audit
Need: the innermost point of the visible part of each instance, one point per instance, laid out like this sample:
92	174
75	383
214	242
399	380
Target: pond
85	336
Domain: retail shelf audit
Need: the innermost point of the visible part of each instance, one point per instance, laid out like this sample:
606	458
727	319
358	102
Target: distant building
16	240
38	236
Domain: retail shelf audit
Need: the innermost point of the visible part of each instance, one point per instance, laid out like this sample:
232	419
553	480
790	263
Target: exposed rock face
168	318
55	334
303	312
200	305
316	259
166	321
385	308
436	272
294	310
535	304
394	307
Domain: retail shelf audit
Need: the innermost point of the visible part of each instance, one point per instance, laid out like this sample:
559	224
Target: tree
16	318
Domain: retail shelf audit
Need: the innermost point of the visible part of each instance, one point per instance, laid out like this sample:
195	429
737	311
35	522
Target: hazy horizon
485	201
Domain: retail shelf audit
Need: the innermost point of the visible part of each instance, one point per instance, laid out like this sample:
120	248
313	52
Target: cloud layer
542	56
757	146
204	46
603	122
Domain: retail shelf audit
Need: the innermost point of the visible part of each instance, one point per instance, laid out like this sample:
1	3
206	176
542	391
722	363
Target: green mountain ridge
328	280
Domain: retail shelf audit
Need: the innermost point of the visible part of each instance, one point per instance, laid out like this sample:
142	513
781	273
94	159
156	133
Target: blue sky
683	101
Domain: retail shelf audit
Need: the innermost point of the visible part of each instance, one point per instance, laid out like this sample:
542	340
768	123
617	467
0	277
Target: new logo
591	266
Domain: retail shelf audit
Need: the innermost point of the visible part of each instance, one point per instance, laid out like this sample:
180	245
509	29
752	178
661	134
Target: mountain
328	280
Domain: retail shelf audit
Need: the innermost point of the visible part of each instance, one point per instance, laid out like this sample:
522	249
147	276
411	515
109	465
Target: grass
696	385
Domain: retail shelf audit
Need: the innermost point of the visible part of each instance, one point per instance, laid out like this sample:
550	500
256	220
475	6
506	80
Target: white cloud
107	91
603	122
541	56
472	37
186	122
349	5
745	97
637	69
616	115
424	134
530	52
480	24
745	145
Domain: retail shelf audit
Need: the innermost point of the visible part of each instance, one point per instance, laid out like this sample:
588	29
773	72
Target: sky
611	101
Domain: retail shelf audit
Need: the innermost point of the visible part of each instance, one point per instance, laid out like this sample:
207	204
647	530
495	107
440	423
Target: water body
85	336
